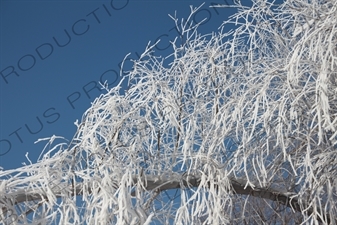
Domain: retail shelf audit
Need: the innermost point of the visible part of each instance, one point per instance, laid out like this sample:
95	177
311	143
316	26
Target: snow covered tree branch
231	128
157	184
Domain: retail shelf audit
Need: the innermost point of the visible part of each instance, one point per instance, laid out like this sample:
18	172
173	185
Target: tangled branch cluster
232	127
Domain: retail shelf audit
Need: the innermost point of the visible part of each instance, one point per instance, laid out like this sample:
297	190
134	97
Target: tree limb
155	183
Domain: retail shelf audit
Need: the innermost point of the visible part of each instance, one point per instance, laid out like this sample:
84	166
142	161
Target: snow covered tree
231	128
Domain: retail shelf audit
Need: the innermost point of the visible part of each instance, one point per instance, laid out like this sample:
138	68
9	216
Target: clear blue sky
48	80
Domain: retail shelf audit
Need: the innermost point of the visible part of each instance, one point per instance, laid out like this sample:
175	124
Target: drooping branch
260	102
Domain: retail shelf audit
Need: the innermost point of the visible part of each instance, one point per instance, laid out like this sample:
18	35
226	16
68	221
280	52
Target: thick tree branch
155	183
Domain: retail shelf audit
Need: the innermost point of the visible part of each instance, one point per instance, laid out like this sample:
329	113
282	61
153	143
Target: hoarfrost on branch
231	128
